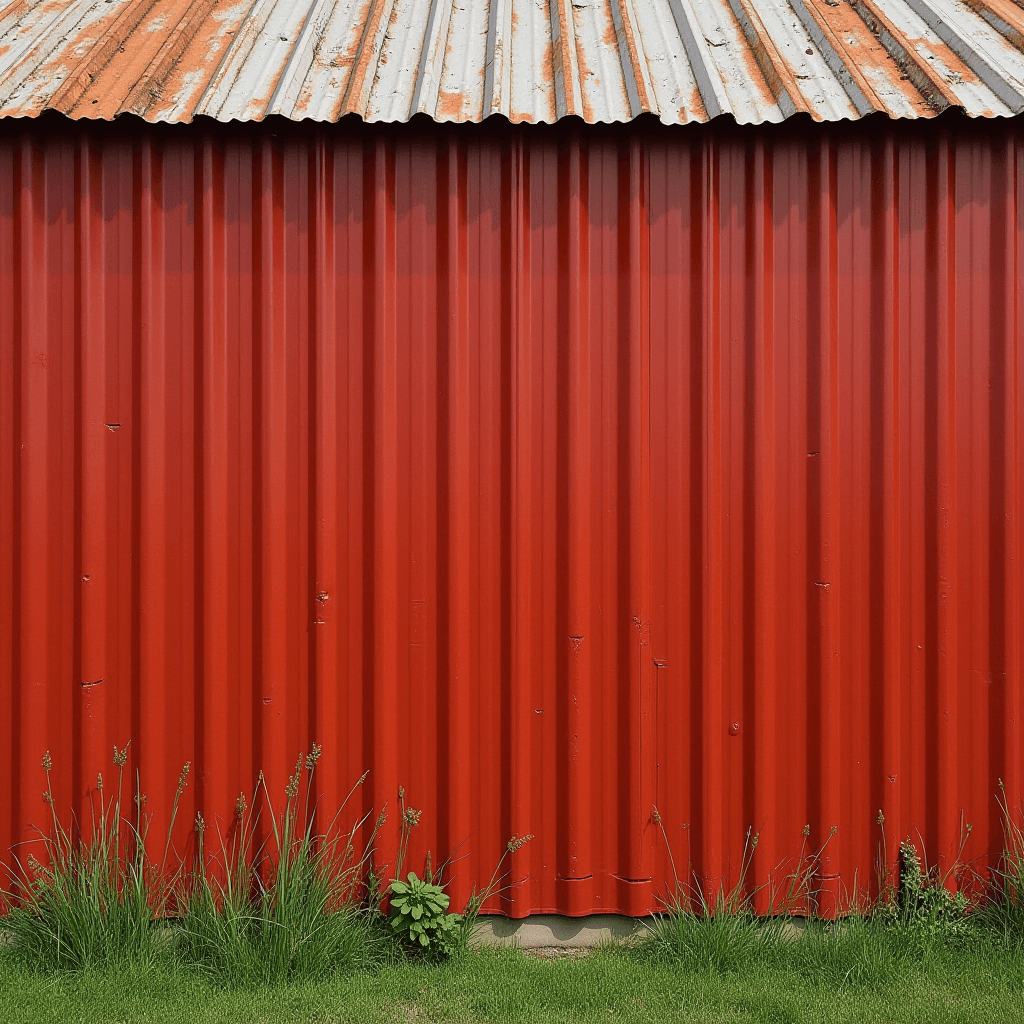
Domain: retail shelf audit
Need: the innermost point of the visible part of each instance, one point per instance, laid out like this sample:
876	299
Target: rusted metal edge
148	87
863	97
930	85
970	54
631	60
775	70
1004	19
709	82
66	98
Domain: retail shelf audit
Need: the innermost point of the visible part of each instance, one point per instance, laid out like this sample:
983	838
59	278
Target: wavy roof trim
531	60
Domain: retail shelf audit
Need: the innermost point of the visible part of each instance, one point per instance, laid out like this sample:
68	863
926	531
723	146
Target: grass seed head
313	756
185	769
240	805
99	781
518	842
47	762
120	756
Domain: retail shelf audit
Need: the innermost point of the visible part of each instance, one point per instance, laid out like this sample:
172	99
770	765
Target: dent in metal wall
552	474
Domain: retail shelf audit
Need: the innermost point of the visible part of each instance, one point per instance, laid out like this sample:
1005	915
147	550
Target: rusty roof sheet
531	60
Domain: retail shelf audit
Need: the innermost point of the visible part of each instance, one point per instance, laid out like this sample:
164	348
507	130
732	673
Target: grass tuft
298	910
1002	909
91	899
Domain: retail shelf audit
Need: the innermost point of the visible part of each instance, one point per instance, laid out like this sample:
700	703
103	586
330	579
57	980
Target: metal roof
531	60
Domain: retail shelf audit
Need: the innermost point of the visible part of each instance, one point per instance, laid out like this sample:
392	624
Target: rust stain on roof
173	59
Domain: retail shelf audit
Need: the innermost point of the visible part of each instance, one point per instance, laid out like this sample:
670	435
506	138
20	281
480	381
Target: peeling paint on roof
531	60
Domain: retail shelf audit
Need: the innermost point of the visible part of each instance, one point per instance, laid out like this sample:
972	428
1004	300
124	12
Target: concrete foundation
547	931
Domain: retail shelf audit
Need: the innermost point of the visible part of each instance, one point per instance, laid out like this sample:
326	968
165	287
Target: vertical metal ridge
712	722
578	641
946	504
10	497
156	729
457	502
329	455
525	615
34	709
1014	678
383	415
761	733
891	682
847	73
95	444
830	544
709	82
215	657
927	82
972	55
1015	473
271	529
637	807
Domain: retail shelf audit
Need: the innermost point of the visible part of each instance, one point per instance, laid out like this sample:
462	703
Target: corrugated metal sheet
531	60
551	473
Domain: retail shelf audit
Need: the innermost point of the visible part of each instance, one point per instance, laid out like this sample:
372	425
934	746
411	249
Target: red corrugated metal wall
551	472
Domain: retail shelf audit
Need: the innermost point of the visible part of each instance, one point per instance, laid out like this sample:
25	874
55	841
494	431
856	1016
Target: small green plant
419	906
419	914
924	901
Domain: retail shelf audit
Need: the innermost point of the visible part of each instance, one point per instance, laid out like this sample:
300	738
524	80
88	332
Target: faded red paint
551	473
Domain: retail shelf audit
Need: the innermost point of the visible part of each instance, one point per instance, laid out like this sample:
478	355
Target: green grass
288	927
860	972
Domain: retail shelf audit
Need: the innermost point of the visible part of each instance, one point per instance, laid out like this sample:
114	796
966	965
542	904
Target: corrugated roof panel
530	60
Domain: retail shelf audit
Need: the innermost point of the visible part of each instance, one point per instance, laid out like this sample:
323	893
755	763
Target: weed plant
297	910
90	901
921	917
269	899
1002	910
418	911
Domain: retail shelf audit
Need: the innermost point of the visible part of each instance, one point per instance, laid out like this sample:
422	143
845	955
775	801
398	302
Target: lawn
972	982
